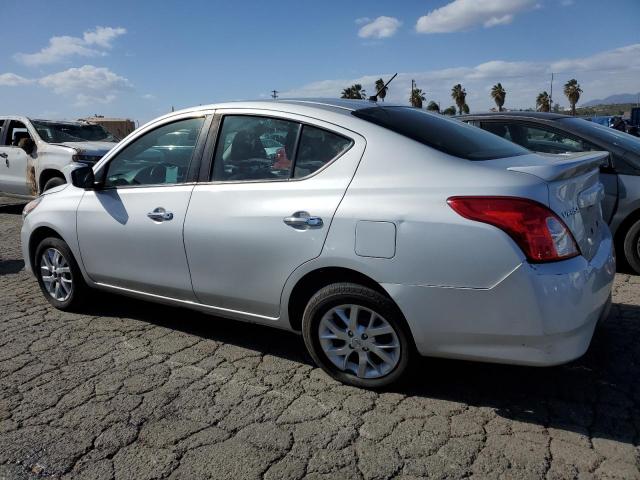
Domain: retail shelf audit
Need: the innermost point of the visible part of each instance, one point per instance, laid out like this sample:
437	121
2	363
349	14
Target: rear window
449	136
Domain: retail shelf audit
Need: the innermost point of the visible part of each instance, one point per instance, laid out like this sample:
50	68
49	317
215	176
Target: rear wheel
356	335
632	247
53	182
58	275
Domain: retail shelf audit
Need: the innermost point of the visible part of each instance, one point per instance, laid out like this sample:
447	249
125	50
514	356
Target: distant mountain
612	99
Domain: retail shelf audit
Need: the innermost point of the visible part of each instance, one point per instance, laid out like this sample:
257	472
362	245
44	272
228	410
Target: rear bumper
538	315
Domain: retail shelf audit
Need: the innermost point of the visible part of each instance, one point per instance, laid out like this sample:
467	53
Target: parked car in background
387	231
33	153
562	134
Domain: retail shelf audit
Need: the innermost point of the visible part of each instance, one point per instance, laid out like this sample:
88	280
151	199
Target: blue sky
137	59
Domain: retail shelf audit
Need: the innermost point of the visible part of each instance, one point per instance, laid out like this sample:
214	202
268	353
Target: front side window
16	131
161	156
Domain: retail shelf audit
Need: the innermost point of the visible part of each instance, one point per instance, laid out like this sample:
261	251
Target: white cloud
149	96
361	20
600	75
93	43
13	80
87	83
464	14
381	27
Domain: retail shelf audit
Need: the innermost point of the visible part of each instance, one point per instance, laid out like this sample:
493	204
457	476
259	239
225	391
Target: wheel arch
36	237
621	232
46	175
320	277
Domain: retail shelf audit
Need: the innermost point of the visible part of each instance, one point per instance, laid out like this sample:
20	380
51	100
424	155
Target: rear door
265	207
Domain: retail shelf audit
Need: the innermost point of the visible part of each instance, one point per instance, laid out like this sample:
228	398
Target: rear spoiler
574	165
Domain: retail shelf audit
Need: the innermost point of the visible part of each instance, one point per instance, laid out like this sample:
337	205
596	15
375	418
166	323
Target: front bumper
538	315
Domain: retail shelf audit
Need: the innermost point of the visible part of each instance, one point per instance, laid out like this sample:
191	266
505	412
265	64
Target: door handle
160	215
302	220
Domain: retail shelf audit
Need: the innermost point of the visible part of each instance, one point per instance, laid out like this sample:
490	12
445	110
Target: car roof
337	105
498	115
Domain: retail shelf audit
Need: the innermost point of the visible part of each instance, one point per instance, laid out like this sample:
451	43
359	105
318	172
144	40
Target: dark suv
561	134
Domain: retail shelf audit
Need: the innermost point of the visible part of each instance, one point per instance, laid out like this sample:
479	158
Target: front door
14	160
130	230
275	186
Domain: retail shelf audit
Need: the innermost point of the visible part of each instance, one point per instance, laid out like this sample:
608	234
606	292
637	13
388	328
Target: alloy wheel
56	274
358	340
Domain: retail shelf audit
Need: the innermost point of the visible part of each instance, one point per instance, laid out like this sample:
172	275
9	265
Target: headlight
86	158
29	207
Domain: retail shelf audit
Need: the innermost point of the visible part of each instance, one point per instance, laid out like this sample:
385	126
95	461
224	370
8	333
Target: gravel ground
139	391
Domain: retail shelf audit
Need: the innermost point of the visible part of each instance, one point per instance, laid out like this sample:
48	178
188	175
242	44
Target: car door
14	160
130	229
265	210
543	138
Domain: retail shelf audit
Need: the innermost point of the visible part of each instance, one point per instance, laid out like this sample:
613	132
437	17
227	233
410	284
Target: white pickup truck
33	153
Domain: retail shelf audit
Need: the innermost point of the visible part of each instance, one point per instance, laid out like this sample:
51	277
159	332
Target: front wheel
53	182
356	335
632	247
58	275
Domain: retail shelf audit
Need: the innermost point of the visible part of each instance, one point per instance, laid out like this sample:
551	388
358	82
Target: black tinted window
449	136
317	148
603	134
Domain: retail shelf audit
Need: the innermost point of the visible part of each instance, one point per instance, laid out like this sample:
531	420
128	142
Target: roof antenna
374	98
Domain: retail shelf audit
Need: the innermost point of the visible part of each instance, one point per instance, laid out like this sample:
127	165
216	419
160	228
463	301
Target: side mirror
83	178
27	144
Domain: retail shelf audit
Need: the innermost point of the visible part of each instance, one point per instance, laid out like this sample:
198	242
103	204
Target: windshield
604	134
53	132
449	136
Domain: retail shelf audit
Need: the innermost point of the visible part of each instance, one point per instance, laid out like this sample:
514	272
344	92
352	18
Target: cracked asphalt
133	390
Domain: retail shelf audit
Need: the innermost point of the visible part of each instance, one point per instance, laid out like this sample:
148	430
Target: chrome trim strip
186	302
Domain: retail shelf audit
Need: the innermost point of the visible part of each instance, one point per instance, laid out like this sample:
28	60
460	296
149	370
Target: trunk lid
575	191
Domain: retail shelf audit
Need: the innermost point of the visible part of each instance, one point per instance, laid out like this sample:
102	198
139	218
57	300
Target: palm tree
572	91
459	96
355	91
465	108
381	89
433	107
542	102
417	97
498	93
449	110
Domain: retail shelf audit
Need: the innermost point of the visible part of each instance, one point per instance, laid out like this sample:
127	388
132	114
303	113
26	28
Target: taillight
540	233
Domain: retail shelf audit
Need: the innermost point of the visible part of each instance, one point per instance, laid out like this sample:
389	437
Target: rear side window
317	148
449	136
254	148
538	138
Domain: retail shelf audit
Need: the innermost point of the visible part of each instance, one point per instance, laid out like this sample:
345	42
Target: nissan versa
376	231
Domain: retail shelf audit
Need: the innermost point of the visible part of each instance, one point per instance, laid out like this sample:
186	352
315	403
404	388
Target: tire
632	247
53	182
72	291
324	333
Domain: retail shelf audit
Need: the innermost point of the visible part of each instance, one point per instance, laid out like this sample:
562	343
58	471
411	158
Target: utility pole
551	95
274	94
